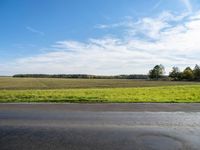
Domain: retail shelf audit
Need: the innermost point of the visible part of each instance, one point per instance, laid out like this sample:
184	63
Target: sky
104	37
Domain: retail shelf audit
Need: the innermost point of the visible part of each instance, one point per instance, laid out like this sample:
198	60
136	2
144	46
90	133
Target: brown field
52	83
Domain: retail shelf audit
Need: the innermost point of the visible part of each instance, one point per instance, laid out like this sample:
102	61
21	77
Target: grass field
187	93
84	90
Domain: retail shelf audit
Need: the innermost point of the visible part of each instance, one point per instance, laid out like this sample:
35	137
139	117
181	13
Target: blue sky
97	36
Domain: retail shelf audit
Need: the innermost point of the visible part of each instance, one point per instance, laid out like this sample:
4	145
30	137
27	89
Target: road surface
99	127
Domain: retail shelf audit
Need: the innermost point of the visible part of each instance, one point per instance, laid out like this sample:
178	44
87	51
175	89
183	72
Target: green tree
175	74
196	72
188	74
157	72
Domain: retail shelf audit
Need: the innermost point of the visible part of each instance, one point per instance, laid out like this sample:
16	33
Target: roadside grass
163	94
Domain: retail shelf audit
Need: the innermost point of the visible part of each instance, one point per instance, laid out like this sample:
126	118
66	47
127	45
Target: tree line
81	76
188	74
157	73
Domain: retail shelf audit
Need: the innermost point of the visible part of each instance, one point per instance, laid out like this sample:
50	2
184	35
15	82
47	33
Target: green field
96	90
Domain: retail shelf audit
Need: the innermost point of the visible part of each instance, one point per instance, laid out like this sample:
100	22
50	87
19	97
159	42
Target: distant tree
82	76
188	74
196	72
175	74
157	72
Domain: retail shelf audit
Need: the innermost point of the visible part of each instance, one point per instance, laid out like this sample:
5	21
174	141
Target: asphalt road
99	127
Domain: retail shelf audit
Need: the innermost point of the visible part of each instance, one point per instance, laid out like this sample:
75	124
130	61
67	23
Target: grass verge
165	94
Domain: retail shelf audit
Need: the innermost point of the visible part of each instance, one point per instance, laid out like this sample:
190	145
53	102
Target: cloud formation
34	30
167	39
157	5
188	4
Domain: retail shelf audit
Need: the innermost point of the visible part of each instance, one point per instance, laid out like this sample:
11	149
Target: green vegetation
188	74
187	93
96	90
157	72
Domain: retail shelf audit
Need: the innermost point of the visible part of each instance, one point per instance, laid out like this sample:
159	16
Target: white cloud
167	39
101	26
34	30
188	4
157	5
149	27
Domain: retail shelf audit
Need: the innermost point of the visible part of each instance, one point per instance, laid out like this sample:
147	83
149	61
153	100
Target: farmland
96	90
9	83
